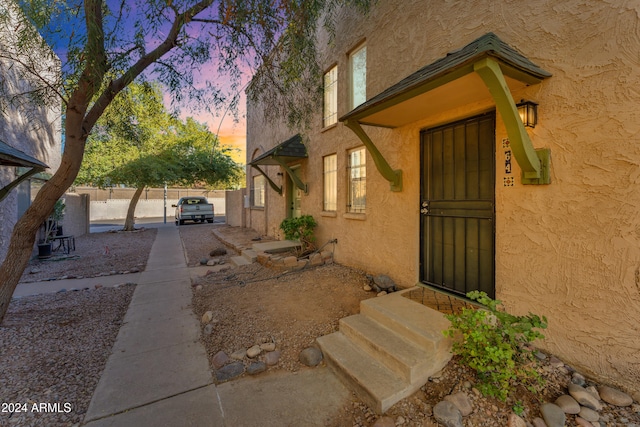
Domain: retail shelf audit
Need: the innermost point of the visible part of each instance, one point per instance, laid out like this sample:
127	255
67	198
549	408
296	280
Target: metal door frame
424	238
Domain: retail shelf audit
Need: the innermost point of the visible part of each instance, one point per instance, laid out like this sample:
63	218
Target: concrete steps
389	350
249	256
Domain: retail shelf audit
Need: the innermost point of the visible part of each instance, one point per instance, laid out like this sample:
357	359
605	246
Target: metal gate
457	206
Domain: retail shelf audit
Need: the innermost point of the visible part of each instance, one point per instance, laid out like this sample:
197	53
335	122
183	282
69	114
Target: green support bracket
535	164
295	178
4	191
393	176
271	183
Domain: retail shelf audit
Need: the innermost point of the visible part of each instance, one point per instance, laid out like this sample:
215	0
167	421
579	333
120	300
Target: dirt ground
253	304
95	254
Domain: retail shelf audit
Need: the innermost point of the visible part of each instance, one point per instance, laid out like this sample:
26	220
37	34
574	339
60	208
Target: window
358	65
330	115
257	192
330	172
357	181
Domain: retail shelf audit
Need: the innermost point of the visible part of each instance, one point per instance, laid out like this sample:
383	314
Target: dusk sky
222	122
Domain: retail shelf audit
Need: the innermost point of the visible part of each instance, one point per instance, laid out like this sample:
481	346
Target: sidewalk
158	373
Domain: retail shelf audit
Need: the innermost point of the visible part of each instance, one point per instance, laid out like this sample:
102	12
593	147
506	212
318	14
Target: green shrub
300	228
492	342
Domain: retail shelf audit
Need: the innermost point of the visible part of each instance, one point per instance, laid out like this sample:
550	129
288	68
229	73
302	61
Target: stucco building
420	164
30	131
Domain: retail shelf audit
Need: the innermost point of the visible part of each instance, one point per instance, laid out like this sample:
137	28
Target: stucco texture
569	250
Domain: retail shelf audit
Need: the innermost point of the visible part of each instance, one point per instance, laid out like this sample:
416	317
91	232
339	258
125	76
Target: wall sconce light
528	111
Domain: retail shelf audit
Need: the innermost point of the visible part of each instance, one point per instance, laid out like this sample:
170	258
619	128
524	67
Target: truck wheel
210	221
181	222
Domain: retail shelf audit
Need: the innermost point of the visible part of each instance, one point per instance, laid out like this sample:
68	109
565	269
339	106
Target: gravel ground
53	348
254	304
96	254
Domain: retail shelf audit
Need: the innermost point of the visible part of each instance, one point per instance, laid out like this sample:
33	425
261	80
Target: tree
113	43
138	143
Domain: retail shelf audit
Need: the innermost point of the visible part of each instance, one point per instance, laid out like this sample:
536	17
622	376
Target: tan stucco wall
569	250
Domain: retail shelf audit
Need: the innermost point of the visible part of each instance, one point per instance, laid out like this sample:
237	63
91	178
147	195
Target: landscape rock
220	251
230	371
578	379
203	261
384	422
212	262
553	415
207	317
239	354
254	351
382	282
447	414
614	397
555	362
583	397
256	368
589	414
584	423
515	421
462	402
268	346
310	356
208	329
539	422
272	358
568	404
367	288
198	288
594	392
220	359
290	261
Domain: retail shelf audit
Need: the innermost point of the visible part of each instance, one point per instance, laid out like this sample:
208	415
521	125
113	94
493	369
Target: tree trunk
130	221
24	233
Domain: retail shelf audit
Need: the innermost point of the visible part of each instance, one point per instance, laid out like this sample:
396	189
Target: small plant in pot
50	229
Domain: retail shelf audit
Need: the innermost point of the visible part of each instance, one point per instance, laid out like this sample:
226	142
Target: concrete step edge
239	260
409	319
250	255
374	383
399	354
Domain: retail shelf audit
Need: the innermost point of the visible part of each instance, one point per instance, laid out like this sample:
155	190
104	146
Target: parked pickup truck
195	209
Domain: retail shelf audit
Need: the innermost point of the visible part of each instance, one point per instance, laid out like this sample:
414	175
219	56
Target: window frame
359	169
357	77
258	183
330	97
330	179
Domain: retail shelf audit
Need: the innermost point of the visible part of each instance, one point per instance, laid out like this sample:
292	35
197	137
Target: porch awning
486	69
446	83
10	156
285	152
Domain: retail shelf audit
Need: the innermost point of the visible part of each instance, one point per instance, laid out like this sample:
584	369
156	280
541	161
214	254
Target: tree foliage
107	45
137	143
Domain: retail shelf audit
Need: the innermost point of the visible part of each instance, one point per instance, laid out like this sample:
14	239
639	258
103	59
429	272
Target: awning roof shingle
287	151
10	156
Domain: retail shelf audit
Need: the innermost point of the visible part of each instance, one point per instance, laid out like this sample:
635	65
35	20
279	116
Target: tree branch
145	61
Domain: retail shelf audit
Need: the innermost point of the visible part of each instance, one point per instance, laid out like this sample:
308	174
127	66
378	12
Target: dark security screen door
457	206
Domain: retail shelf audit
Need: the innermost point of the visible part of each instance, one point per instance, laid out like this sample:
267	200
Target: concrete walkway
158	373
